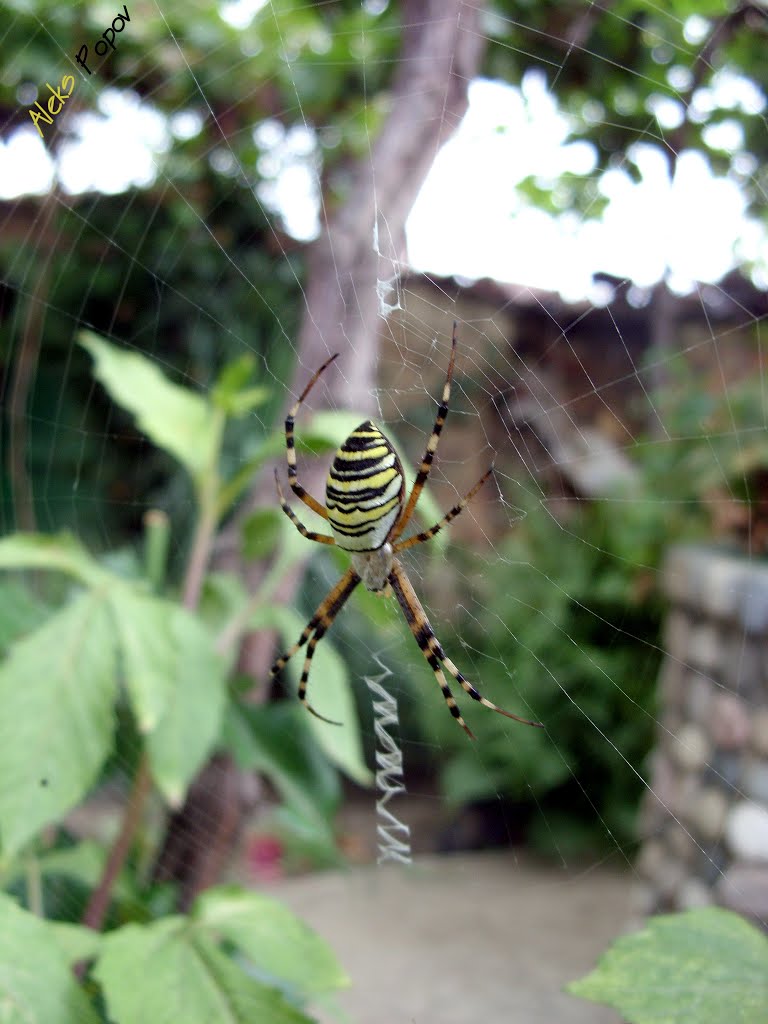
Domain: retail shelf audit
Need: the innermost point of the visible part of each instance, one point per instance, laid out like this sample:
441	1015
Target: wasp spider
366	510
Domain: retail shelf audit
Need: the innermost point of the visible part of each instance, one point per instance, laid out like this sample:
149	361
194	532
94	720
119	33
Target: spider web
605	433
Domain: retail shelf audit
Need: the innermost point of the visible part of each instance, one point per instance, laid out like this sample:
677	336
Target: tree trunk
353	267
352	273
360	252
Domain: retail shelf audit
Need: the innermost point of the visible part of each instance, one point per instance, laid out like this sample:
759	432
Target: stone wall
704	826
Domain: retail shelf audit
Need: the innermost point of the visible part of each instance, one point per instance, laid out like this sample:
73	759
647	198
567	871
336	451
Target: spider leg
473	693
320	538
320	622
429	454
290	449
303	682
430	647
422	631
419	538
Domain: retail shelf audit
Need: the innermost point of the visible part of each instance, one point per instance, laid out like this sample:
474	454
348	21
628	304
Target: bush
116	646
566	623
565	632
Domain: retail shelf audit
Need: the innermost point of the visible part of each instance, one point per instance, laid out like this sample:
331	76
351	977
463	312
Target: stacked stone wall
704	825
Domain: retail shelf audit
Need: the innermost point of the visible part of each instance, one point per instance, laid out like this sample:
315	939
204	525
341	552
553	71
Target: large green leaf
147	651
175	418
261	532
233	392
707	966
60	553
75	941
172	970
223	599
279	945
329	690
36	984
57	690
20	610
175	680
189	726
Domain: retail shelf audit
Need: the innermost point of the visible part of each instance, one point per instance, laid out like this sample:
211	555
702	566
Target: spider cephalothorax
366	510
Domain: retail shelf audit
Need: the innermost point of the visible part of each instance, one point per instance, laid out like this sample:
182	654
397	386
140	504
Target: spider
366	510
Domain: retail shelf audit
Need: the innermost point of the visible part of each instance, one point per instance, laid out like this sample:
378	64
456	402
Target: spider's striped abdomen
365	490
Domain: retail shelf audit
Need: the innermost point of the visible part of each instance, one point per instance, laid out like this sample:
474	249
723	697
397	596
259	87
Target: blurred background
239	190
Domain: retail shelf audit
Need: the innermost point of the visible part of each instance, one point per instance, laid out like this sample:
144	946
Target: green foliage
184	270
190	720
172	263
566	624
712	454
36	983
176	419
634	64
272	939
707	965
57	691
569	640
55	554
334	699
274	740
80	864
108	650
286	964
53	749
568	620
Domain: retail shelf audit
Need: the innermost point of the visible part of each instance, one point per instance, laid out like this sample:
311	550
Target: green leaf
191	721
223	596
20	611
83	862
273	938
245	401
57	690
60	553
172	971
237	483
147	651
707	965
236	374
231	393
175	418
36	983
274	740
301	840
175	681
331	694
75	941
261	532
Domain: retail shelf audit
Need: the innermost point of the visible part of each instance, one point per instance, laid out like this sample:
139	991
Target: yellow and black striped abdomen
365	490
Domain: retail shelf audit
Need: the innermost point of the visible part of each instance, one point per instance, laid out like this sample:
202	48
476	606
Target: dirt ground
479	937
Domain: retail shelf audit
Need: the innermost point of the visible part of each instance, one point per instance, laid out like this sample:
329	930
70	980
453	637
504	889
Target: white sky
469	219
